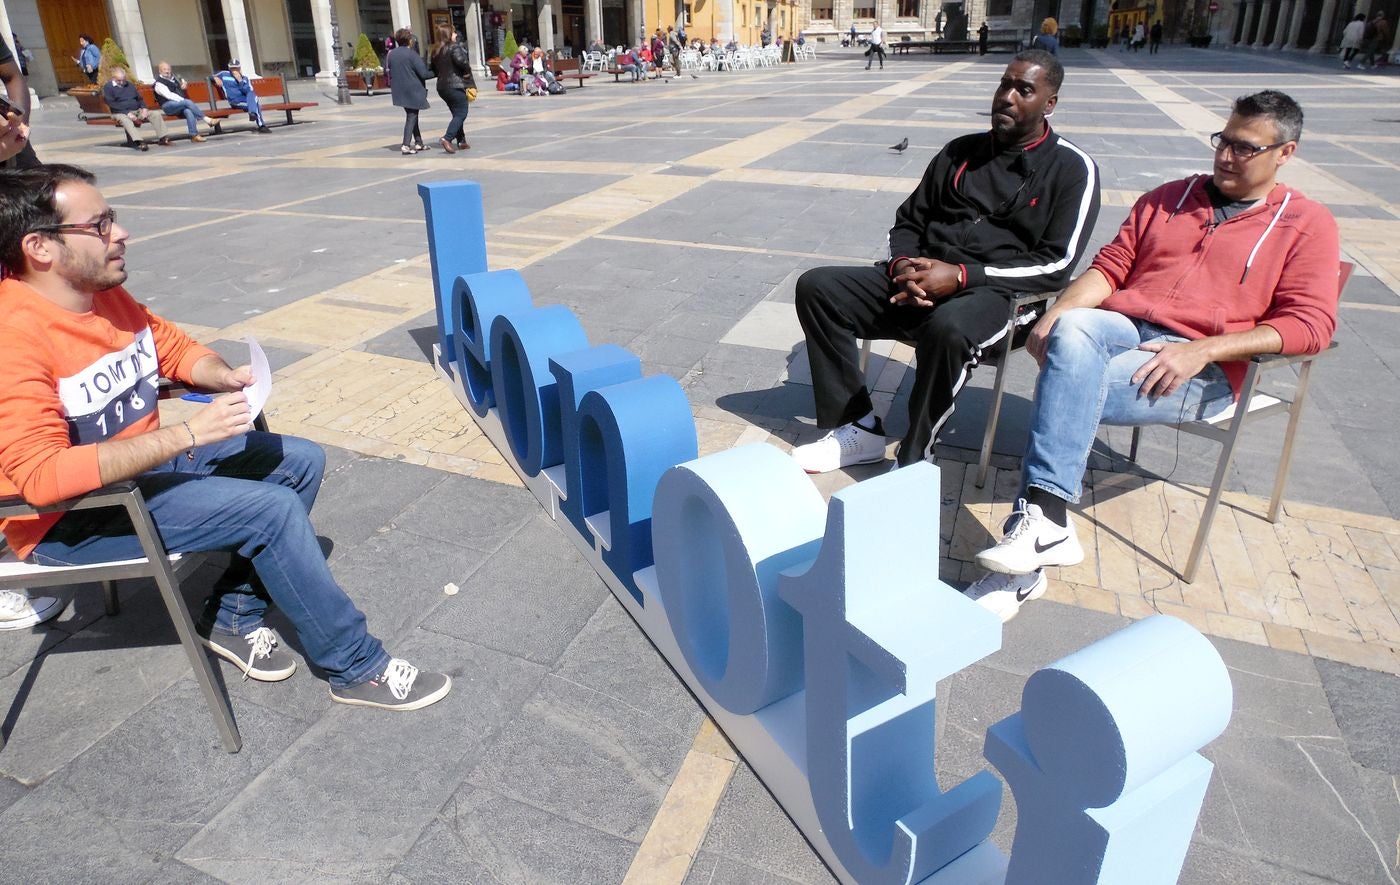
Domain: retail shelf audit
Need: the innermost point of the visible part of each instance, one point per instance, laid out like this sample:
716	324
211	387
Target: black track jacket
1014	218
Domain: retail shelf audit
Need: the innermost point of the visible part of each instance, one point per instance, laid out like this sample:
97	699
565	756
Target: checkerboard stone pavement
674	219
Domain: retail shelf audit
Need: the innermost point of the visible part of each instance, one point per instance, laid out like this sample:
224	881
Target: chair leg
1222	467
865	360
984	457
184	627
1285	458
1133	446
109	598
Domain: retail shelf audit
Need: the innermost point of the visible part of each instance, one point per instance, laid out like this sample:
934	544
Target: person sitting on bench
1204	274
997	213
239	93
170	92
78	392
129	109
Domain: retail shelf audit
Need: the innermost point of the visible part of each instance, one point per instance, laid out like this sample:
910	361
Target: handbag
471	93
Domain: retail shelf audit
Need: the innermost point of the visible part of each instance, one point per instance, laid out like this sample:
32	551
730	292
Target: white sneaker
1003	595
1031	541
846	446
18	611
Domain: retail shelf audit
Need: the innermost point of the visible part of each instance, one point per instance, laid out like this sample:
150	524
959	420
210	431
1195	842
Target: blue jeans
187	109
1087	380
456	101
250	495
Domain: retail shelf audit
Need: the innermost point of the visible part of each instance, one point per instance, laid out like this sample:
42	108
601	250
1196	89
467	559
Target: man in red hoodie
1204	274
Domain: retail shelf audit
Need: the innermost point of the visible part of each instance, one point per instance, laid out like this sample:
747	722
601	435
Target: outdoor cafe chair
166	569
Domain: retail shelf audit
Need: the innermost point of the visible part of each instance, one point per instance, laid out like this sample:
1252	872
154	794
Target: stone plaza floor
674	219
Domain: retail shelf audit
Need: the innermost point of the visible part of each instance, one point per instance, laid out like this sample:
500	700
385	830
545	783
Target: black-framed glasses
1242	150
102	227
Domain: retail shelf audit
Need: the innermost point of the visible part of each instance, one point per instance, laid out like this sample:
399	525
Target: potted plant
366	61
1071	37
89	95
1100	36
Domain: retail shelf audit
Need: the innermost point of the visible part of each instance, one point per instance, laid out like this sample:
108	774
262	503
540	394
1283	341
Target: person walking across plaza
455	84
89	57
170	92
1154	38
983	35
1352	36
129	110
876	48
997	213
240	94
1205	273
409	76
1376	41
78	392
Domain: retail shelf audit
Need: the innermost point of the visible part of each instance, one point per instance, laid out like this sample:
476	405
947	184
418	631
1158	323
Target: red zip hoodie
1275	264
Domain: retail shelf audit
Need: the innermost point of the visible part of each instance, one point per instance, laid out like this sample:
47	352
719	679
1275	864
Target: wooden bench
264	87
93	110
570	67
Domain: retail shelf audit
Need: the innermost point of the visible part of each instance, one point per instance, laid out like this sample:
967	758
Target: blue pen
198	397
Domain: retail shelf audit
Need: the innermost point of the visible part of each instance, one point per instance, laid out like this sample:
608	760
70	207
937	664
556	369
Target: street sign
1212	6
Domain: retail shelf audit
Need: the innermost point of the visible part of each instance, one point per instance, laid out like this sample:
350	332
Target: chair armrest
1276	360
108	496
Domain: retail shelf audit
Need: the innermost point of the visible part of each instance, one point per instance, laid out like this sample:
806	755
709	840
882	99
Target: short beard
87	275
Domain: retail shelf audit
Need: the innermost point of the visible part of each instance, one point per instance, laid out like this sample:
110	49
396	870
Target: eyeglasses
102	227
1242	150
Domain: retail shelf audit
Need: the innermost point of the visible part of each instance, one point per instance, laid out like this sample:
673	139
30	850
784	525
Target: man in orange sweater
1204	274
78	411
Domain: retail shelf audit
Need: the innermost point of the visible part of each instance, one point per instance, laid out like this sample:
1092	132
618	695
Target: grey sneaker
18	611
401	686
259	654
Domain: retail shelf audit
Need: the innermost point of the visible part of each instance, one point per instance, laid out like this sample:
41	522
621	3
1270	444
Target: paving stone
749	827
612	656
412	340
715	869
11	791
1367	706
585	756
410	763
83	688
1291	802
469	512
529	599
397	578
365	494
484	837
130	801
1276	694
235	353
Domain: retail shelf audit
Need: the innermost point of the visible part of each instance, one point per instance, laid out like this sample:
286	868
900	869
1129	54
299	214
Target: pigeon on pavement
901	146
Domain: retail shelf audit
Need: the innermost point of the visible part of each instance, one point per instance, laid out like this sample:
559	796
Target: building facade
296	38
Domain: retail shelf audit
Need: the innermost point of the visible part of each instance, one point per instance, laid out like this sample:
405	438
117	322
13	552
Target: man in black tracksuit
997	213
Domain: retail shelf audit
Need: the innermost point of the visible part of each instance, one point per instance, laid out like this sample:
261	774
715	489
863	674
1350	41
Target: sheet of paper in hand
261	388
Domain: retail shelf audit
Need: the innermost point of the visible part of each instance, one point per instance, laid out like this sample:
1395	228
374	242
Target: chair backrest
270	87
1344	270
198	92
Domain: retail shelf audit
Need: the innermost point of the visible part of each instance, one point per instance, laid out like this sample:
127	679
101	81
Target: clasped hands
922	281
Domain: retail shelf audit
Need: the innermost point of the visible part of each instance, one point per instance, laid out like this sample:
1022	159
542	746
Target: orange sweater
69	381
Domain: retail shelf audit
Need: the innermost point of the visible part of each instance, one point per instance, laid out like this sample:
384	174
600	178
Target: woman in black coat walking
453	67
409	76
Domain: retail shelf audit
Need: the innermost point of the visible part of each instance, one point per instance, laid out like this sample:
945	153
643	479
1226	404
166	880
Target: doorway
63	21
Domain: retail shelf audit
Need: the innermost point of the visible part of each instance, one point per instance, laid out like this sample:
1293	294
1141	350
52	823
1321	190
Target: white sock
869	422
